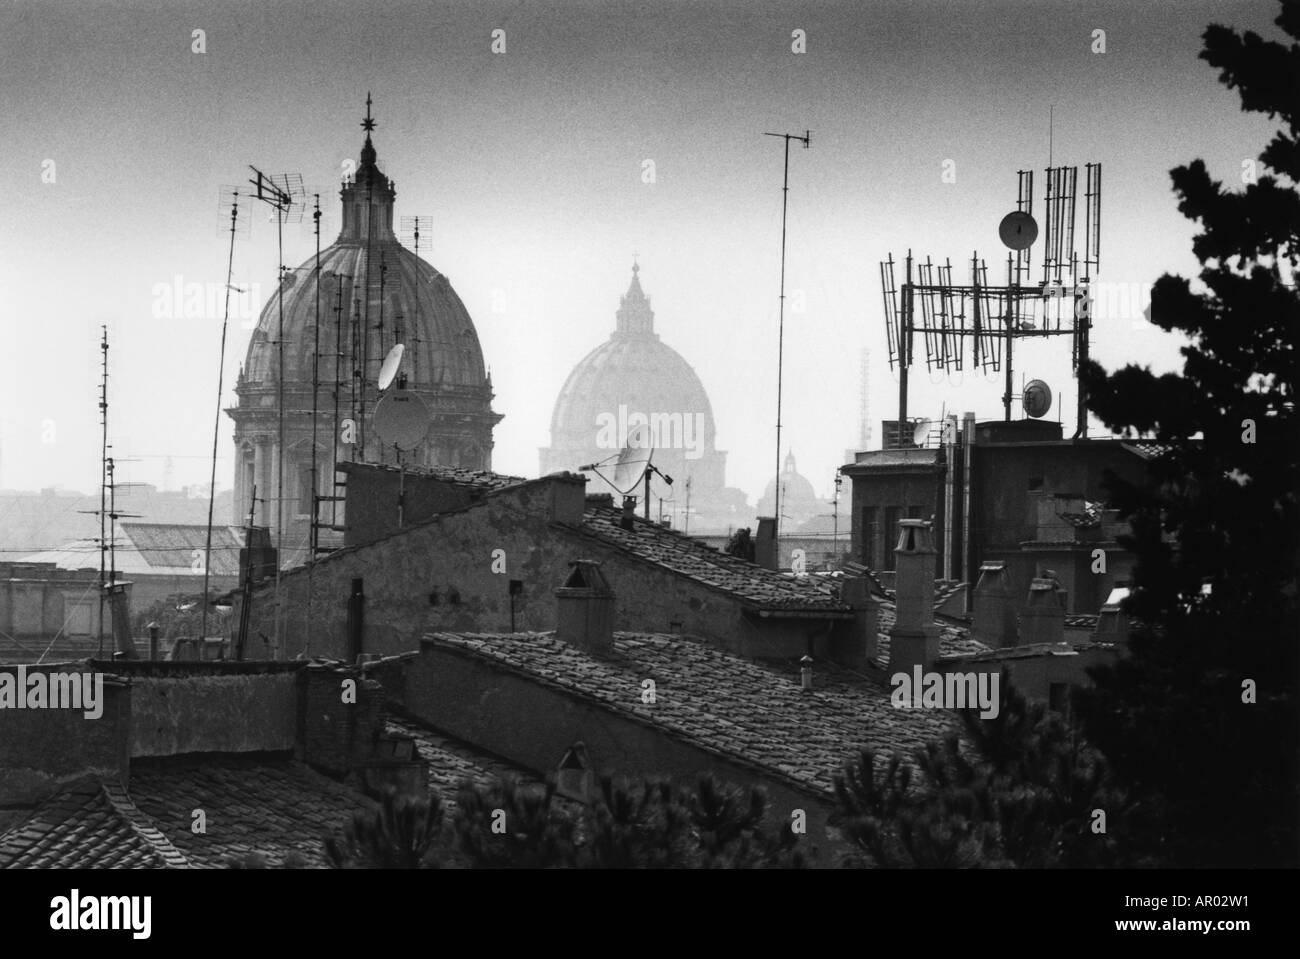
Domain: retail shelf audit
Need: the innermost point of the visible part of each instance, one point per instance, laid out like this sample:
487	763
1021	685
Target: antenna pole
780	334
313	528
216	426
103	484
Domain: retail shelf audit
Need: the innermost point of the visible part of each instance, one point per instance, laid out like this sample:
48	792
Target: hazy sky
530	165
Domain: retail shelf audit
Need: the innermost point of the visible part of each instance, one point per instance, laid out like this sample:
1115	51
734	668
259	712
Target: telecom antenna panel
983	321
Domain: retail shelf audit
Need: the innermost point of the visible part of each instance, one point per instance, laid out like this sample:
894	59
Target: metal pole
279	453
1011	306
904	349
780	344
216	426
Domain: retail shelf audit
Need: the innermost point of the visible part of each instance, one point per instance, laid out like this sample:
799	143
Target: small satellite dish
1037	399
633	460
401	419
391	363
922	432
1018	230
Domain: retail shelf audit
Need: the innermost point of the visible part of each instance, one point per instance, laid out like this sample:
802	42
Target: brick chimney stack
585	608
1043	618
994	617
765	543
914	640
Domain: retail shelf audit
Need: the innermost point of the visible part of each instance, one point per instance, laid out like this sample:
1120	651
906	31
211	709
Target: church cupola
634	314
368	196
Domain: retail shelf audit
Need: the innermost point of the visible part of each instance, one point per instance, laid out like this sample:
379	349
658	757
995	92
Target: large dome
635	379
417	307
371	294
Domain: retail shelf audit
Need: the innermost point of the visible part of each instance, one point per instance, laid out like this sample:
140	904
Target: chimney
585	608
1043	618
914	640
119	604
765	543
993	622
1112	621
628	519
853	644
568	495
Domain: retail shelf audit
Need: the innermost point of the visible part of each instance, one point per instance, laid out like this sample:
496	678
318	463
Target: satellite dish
1018	230
922	432
1037	399
401	419
633	460
389	370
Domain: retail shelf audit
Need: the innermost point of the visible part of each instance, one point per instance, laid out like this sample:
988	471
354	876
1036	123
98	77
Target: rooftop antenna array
806	140
283	193
979	322
107	512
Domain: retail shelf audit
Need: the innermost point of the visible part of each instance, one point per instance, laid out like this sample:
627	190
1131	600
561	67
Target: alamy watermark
681	431
55	690
179	300
76	912
947	691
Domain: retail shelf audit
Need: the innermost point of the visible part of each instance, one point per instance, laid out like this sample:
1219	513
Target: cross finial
368	124
636	268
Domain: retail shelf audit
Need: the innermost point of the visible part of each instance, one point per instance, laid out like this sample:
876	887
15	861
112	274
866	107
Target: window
1035	482
77	616
869	531
1058	698
304	491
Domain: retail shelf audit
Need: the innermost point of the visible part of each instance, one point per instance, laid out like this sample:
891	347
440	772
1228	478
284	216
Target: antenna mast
103	482
216	426
284	194
806	140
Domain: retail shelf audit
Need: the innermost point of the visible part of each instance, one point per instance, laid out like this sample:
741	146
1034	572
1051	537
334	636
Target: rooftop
748	712
264	803
760	587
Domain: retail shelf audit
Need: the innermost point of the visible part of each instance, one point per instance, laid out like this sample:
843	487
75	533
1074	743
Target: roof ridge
120	799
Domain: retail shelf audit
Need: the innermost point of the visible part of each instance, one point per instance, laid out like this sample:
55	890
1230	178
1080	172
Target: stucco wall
438	577
42	748
213	713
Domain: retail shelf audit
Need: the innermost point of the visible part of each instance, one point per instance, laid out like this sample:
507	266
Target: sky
531	165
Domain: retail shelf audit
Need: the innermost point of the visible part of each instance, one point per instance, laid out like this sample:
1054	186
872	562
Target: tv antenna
633	466
216	426
806	140
283	193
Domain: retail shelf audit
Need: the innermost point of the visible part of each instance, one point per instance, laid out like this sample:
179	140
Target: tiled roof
748	712
144	548
1148	449
90	824
474	479
674	551
1030	651
172	545
1081	622
452	762
251	804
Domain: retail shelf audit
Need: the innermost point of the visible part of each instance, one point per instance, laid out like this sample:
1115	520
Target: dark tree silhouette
1201	720
1021	792
742	544
403	833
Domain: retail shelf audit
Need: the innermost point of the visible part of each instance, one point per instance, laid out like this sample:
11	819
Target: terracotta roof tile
748	712
759	587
